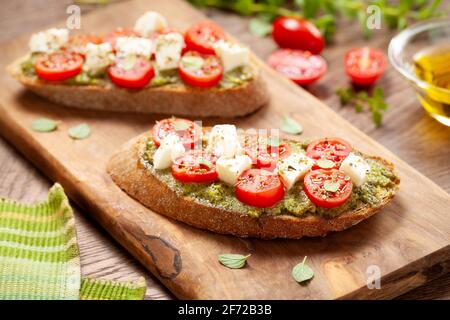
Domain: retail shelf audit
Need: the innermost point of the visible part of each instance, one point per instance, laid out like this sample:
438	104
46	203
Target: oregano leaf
331	186
325	163
302	272
79	132
260	27
232	260
44	125
291	126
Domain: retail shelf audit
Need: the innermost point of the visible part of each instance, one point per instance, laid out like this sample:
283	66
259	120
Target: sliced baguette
130	174
169	99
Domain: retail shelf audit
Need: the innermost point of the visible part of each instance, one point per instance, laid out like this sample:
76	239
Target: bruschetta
148	69
252	184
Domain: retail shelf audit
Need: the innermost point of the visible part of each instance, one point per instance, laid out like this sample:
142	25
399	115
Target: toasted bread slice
130	174
170	99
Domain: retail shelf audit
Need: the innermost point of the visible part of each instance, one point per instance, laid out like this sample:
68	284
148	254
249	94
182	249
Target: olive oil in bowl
432	65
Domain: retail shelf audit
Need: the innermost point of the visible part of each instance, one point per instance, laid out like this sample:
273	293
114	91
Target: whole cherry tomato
296	33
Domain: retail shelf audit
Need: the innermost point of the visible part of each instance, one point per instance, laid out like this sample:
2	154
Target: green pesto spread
230	79
380	182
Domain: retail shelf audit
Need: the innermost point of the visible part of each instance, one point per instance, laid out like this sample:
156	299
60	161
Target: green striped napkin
39	257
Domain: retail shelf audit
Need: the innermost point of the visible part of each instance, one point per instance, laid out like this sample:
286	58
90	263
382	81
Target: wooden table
407	131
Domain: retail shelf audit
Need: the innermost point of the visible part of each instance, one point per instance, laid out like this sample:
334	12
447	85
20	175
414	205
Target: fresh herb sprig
374	101
323	13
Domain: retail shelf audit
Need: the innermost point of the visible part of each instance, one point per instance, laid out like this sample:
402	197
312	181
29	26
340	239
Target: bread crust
128	172
169	99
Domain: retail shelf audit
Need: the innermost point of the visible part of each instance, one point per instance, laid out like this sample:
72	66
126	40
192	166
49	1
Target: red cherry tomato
59	66
365	65
202	35
265	156
334	149
259	188
195	166
200	70
135	77
302	67
188	131
295	33
319	186
119	32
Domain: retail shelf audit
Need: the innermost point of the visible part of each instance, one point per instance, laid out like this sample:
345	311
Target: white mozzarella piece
170	149
223	141
133	46
232	55
97	57
168	49
229	170
48	41
150	22
356	168
293	168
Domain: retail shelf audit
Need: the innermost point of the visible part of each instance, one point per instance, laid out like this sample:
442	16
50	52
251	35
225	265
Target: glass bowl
406	45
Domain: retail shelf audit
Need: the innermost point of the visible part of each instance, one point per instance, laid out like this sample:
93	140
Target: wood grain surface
406	125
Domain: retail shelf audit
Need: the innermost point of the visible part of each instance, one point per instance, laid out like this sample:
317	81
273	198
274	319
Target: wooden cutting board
409	241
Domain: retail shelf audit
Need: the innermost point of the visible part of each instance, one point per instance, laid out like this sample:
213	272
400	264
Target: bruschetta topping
223	141
233	55
251	167
200	70
212	60
133	46
168	50
356	168
196	166
170	149
188	131
149	23
98	57
48	41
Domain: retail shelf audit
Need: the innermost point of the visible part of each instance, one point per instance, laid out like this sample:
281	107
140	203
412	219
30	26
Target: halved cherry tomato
334	149
200	70
296	33
365	65
259	188
316	189
302	67
189	132
195	166
136	76
202	35
59	66
265	156
118	32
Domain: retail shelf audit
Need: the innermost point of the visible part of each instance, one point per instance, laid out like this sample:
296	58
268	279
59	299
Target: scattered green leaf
331	186
205	162
290	125
180	125
233	261
260	27
325	163
273	141
302	272
79	132
44	125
